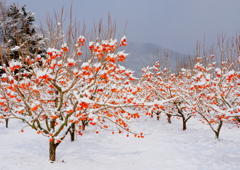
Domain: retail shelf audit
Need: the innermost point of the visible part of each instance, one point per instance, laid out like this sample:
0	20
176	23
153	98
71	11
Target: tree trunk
72	132
158	115
184	125
217	132
152	114
184	121
72	136
169	118
52	151
84	124
6	121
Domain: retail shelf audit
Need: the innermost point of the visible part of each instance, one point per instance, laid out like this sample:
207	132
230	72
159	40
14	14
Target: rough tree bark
217	132
184	123
72	132
169	118
52	150
6	121
84	124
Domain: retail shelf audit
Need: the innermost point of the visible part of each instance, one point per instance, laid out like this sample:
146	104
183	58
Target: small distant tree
166	86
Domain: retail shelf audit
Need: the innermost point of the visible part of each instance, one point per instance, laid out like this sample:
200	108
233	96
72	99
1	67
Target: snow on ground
166	148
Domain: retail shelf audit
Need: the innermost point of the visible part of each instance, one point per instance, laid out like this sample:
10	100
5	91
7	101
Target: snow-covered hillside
144	54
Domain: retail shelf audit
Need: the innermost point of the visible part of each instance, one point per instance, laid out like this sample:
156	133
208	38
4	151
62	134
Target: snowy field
166	147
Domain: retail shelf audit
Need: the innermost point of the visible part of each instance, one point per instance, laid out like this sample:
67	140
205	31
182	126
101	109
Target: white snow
165	147
15	48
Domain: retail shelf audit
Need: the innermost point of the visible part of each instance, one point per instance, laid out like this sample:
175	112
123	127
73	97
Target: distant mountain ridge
144	54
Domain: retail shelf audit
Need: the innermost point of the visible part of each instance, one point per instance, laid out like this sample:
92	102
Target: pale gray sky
173	24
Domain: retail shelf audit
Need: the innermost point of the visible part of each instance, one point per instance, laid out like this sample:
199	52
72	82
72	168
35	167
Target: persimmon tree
165	86
215	94
64	92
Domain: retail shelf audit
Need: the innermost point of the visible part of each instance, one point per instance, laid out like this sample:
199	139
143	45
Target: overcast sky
173	24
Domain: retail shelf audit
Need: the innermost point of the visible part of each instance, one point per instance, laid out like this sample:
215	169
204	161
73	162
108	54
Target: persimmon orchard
81	83
61	94
209	93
